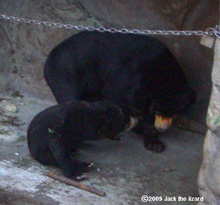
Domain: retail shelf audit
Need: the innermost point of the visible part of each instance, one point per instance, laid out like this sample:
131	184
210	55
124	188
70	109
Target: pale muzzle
162	123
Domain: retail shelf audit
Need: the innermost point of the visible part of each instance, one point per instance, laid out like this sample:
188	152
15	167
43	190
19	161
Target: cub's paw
80	177
75	175
83	166
155	146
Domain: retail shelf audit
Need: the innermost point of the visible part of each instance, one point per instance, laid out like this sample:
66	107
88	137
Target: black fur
136	72
59	130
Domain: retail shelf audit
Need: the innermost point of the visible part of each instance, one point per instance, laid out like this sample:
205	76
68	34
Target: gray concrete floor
124	169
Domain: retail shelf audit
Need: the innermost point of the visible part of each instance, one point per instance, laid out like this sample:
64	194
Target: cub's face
113	121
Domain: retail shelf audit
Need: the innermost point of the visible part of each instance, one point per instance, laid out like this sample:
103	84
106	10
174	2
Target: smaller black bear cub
55	133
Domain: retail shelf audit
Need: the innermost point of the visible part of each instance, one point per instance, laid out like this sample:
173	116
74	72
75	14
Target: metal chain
210	31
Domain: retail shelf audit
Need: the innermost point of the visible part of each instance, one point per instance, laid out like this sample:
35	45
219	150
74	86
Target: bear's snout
162	123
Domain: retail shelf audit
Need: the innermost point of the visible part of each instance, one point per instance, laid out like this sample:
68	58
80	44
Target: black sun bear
57	132
136	72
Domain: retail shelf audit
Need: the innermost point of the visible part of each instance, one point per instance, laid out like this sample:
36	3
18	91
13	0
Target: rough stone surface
11	107
24	47
209	176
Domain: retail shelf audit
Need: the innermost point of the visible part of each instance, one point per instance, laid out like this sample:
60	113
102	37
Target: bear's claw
155	146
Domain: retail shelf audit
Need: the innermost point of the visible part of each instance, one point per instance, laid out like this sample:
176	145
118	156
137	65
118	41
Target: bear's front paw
155	146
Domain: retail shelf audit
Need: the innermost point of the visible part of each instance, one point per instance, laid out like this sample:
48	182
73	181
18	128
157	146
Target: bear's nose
162	123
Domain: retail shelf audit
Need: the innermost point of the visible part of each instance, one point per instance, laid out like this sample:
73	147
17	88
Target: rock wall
209	176
24	47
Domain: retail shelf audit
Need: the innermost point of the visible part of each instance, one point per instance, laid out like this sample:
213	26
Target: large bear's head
166	107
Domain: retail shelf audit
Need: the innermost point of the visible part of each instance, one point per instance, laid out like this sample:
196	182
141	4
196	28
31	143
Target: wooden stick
76	184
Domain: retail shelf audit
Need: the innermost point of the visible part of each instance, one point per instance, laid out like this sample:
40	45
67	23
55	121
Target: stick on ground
76	184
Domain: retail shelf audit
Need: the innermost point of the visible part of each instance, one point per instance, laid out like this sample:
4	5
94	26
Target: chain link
210	31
